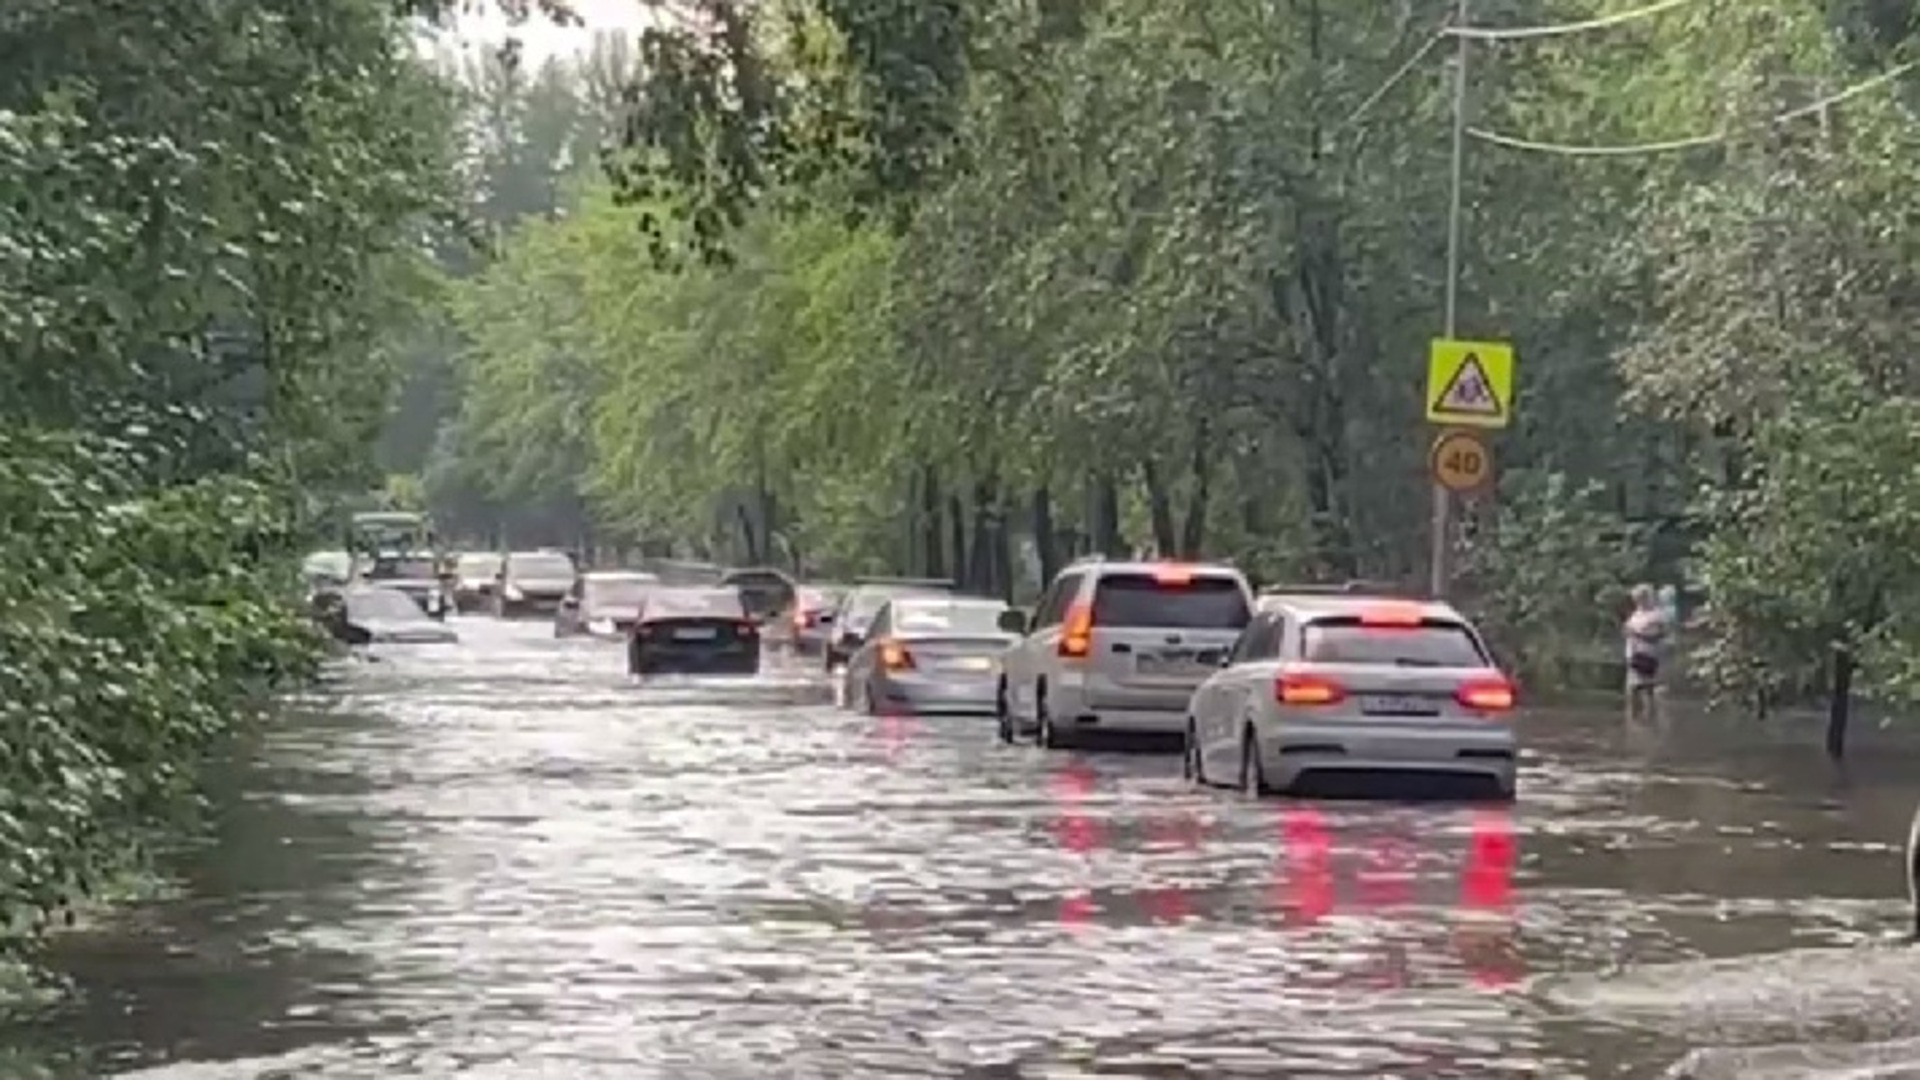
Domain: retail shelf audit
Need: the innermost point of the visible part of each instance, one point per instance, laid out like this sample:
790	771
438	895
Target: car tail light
1392	616
1076	637
1297	689
802	619
894	656
1172	574
747	627
1493	693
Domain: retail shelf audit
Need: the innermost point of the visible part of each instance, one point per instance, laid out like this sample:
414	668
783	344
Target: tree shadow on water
230	969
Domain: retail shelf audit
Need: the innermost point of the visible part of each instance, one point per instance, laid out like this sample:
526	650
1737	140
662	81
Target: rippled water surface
498	860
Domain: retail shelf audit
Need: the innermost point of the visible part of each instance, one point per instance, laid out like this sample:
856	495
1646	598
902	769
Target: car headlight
513	593
601	626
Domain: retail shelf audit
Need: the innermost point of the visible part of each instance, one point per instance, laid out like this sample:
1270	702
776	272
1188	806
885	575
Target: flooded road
499	860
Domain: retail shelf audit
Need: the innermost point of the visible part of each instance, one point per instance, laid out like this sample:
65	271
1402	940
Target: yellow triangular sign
1469	392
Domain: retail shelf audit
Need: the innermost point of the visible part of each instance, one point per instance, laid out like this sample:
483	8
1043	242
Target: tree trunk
1193	536
1166	540
980	569
1840	702
957	534
930	539
1106	516
1040	520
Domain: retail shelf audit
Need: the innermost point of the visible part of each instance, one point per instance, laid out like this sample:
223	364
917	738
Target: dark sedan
364	615
694	631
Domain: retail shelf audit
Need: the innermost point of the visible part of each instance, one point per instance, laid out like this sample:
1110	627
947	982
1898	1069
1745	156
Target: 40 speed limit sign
1460	461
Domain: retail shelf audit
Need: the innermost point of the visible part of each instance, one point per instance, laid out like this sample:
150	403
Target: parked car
931	654
474	575
604	603
862	602
693	630
1345	687
366	614
533	582
1120	646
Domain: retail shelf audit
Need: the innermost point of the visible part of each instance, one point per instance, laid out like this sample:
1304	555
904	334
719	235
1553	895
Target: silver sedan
931	654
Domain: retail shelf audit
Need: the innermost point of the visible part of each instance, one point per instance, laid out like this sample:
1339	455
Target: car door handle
1122	647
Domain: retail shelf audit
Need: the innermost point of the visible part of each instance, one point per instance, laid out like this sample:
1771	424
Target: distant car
1340	687
368	614
532	582
417	574
604	603
693	630
931	654
763	590
809	619
474	574
862	602
1119	646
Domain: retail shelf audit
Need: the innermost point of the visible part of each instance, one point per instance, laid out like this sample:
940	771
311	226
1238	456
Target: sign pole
1440	575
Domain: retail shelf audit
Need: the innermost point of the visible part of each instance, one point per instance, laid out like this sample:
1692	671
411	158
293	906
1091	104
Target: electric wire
1514	142
1393	80
1517	33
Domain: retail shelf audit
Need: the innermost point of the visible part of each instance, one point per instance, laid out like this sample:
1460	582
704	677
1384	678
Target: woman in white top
1646	635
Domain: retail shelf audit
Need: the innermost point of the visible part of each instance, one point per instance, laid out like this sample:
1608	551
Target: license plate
1398	705
1182	664
696	633
968	663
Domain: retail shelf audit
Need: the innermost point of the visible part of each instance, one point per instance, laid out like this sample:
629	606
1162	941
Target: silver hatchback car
1332	686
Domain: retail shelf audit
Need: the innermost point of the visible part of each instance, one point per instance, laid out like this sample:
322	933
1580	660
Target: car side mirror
1013	621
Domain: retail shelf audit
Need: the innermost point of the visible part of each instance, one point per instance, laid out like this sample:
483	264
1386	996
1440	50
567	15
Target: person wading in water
1646	633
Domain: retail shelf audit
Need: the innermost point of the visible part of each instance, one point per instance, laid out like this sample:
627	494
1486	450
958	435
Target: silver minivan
1119	647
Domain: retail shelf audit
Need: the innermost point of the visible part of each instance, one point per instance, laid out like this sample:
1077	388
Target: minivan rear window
1433	643
1200	603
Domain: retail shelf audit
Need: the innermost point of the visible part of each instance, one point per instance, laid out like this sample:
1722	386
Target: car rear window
1431	643
694	604
1203	602
956	618
540	566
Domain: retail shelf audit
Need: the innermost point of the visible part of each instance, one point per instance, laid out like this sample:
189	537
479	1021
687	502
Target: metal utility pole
1439	570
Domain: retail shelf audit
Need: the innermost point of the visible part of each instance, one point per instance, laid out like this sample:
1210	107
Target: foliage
1550	572
1159	275
210	236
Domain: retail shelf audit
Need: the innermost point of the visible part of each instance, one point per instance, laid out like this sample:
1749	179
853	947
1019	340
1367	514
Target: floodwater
498	860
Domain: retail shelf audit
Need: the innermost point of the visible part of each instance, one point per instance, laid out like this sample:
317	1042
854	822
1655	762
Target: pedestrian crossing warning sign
1470	383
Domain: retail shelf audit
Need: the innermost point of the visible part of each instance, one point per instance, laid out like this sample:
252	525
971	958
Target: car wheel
1003	716
1191	766
1253	775
1046	736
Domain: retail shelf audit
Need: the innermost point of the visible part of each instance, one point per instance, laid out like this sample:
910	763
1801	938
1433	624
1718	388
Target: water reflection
1426	879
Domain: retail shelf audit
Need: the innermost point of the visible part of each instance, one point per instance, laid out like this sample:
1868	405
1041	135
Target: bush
139	628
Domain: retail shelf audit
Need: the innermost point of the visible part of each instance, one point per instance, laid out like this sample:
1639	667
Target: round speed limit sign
1460	461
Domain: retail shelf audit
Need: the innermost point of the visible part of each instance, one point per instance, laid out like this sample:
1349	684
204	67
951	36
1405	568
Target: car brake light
894	656
1076	637
1392	615
1493	694
1173	575
801	619
1298	689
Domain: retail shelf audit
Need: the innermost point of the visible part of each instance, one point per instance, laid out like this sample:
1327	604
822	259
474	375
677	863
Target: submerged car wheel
1192	768
1253	775
1003	715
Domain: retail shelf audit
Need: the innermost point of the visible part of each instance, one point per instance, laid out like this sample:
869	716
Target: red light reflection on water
1376	869
894	732
1382	874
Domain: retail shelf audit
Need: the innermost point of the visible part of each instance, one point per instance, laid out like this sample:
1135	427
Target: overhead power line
1394	79
1517	33
1513	142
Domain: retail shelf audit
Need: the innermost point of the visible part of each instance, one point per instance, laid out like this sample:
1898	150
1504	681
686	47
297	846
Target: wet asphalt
501	860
